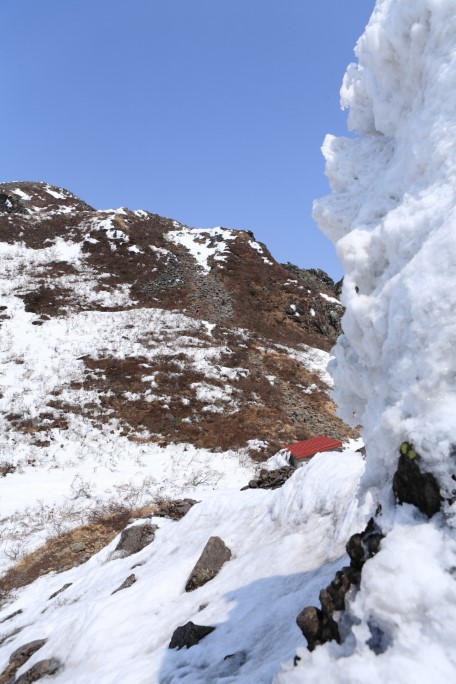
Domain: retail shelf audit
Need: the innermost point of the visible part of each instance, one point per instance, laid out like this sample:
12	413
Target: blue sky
211	112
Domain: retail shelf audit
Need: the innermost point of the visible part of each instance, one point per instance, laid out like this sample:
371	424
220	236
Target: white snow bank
392	215
281	558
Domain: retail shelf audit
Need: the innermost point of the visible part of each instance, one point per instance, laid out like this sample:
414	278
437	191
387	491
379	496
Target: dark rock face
189	635
318	626
270	479
134	539
131	579
214	556
410	485
41	669
10	203
361	547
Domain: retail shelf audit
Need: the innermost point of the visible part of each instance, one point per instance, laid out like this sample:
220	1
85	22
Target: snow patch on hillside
203	244
286	544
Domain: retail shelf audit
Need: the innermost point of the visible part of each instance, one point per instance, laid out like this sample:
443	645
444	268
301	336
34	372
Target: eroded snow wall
392	217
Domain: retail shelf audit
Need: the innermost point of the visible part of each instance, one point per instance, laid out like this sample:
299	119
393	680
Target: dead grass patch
66	550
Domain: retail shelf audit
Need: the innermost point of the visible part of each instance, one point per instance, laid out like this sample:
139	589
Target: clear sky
211	112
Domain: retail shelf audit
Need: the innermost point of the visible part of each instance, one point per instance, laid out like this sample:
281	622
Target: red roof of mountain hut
309	447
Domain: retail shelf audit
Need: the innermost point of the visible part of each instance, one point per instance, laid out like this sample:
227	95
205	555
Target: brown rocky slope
260	317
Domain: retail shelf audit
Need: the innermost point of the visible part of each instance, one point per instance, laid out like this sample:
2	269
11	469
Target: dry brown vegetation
66	550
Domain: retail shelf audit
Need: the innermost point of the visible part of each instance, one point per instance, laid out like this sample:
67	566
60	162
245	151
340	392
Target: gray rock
270	479
24	652
174	509
134	539
41	669
214	556
189	635
18	658
131	579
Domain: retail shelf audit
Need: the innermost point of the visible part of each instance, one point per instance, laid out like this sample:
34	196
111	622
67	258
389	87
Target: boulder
189	635
18	658
134	539
411	485
174	509
41	669
317	626
214	556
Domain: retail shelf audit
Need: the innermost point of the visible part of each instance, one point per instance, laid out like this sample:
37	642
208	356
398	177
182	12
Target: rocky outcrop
10	203
138	260
318	625
215	554
189	635
134	539
412	485
270	479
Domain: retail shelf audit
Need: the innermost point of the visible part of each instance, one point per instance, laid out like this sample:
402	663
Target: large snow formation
392	217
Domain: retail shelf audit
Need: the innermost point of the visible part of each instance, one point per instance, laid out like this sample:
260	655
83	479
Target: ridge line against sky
211	113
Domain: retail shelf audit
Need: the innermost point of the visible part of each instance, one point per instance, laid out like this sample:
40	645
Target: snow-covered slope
391	215
141	359
285	546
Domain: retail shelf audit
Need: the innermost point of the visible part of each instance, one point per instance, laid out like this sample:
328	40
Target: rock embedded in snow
131	579
134	539
215	554
270	479
18	658
43	668
59	591
175	509
317	626
189	635
364	545
411	485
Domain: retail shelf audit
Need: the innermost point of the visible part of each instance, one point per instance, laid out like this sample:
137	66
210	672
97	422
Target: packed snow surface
286	544
392	215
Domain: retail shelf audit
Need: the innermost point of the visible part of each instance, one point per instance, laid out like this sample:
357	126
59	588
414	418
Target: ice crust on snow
391	215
